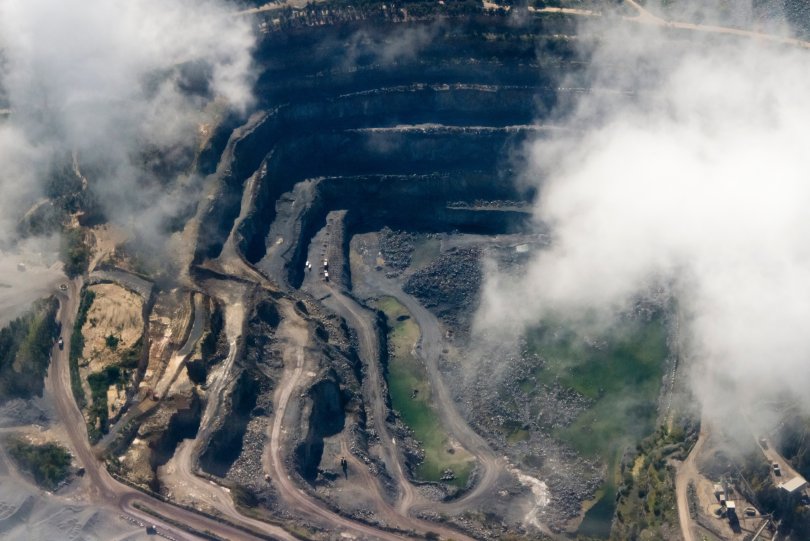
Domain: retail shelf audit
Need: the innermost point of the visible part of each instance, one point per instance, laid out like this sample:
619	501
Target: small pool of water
598	519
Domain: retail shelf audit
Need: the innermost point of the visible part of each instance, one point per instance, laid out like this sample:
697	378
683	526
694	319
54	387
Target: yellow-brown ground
115	312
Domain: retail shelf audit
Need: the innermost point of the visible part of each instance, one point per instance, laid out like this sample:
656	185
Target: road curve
369	351
361	320
103	489
429	348
294	356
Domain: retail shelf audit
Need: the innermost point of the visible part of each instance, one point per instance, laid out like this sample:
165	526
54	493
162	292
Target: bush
112	342
49	463
75	254
77	346
130	358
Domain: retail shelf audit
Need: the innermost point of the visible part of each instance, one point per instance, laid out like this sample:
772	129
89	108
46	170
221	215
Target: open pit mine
302	359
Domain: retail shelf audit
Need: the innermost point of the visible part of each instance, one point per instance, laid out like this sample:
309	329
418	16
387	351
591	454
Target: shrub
48	463
75	254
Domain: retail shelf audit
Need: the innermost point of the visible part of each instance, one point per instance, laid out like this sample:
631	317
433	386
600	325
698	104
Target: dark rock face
183	424
326	418
396	140
225	444
421	144
213	346
249	403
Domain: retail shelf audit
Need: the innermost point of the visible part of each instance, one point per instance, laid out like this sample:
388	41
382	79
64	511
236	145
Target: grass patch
411	396
77	346
48	463
619	369
25	351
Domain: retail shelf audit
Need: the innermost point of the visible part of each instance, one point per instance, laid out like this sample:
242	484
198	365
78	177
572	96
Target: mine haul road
273	461
644	16
429	348
359	319
102	489
295	334
362	321
688	472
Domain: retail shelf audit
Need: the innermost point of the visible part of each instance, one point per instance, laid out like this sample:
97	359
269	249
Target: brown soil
115	312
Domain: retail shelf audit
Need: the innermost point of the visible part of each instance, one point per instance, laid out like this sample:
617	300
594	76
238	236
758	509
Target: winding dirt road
429	348
646	17
688	472
293	330
361	320
101	488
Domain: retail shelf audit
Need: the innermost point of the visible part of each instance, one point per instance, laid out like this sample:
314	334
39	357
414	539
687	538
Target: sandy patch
115	312
105	239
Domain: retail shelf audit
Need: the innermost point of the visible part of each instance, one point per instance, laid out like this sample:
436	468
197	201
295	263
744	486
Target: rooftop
794	484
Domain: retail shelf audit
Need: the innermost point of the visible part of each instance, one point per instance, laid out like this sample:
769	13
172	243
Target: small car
61	343
777	471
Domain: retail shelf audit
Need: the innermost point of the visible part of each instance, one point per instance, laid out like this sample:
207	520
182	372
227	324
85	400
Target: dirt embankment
114	324
111	334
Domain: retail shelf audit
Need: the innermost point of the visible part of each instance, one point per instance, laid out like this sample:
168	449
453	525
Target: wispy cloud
686	167
114	82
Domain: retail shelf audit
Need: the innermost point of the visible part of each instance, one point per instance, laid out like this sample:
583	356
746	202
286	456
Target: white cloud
700	181
108	78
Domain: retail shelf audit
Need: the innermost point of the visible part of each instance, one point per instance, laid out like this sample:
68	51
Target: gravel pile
449	286
396	248
247	470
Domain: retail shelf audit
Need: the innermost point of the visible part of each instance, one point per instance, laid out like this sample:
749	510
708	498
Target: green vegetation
646	507
99	382
411	396
48	463
77	346
97	416
130	358
74	253
619	369
25	351
112	342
